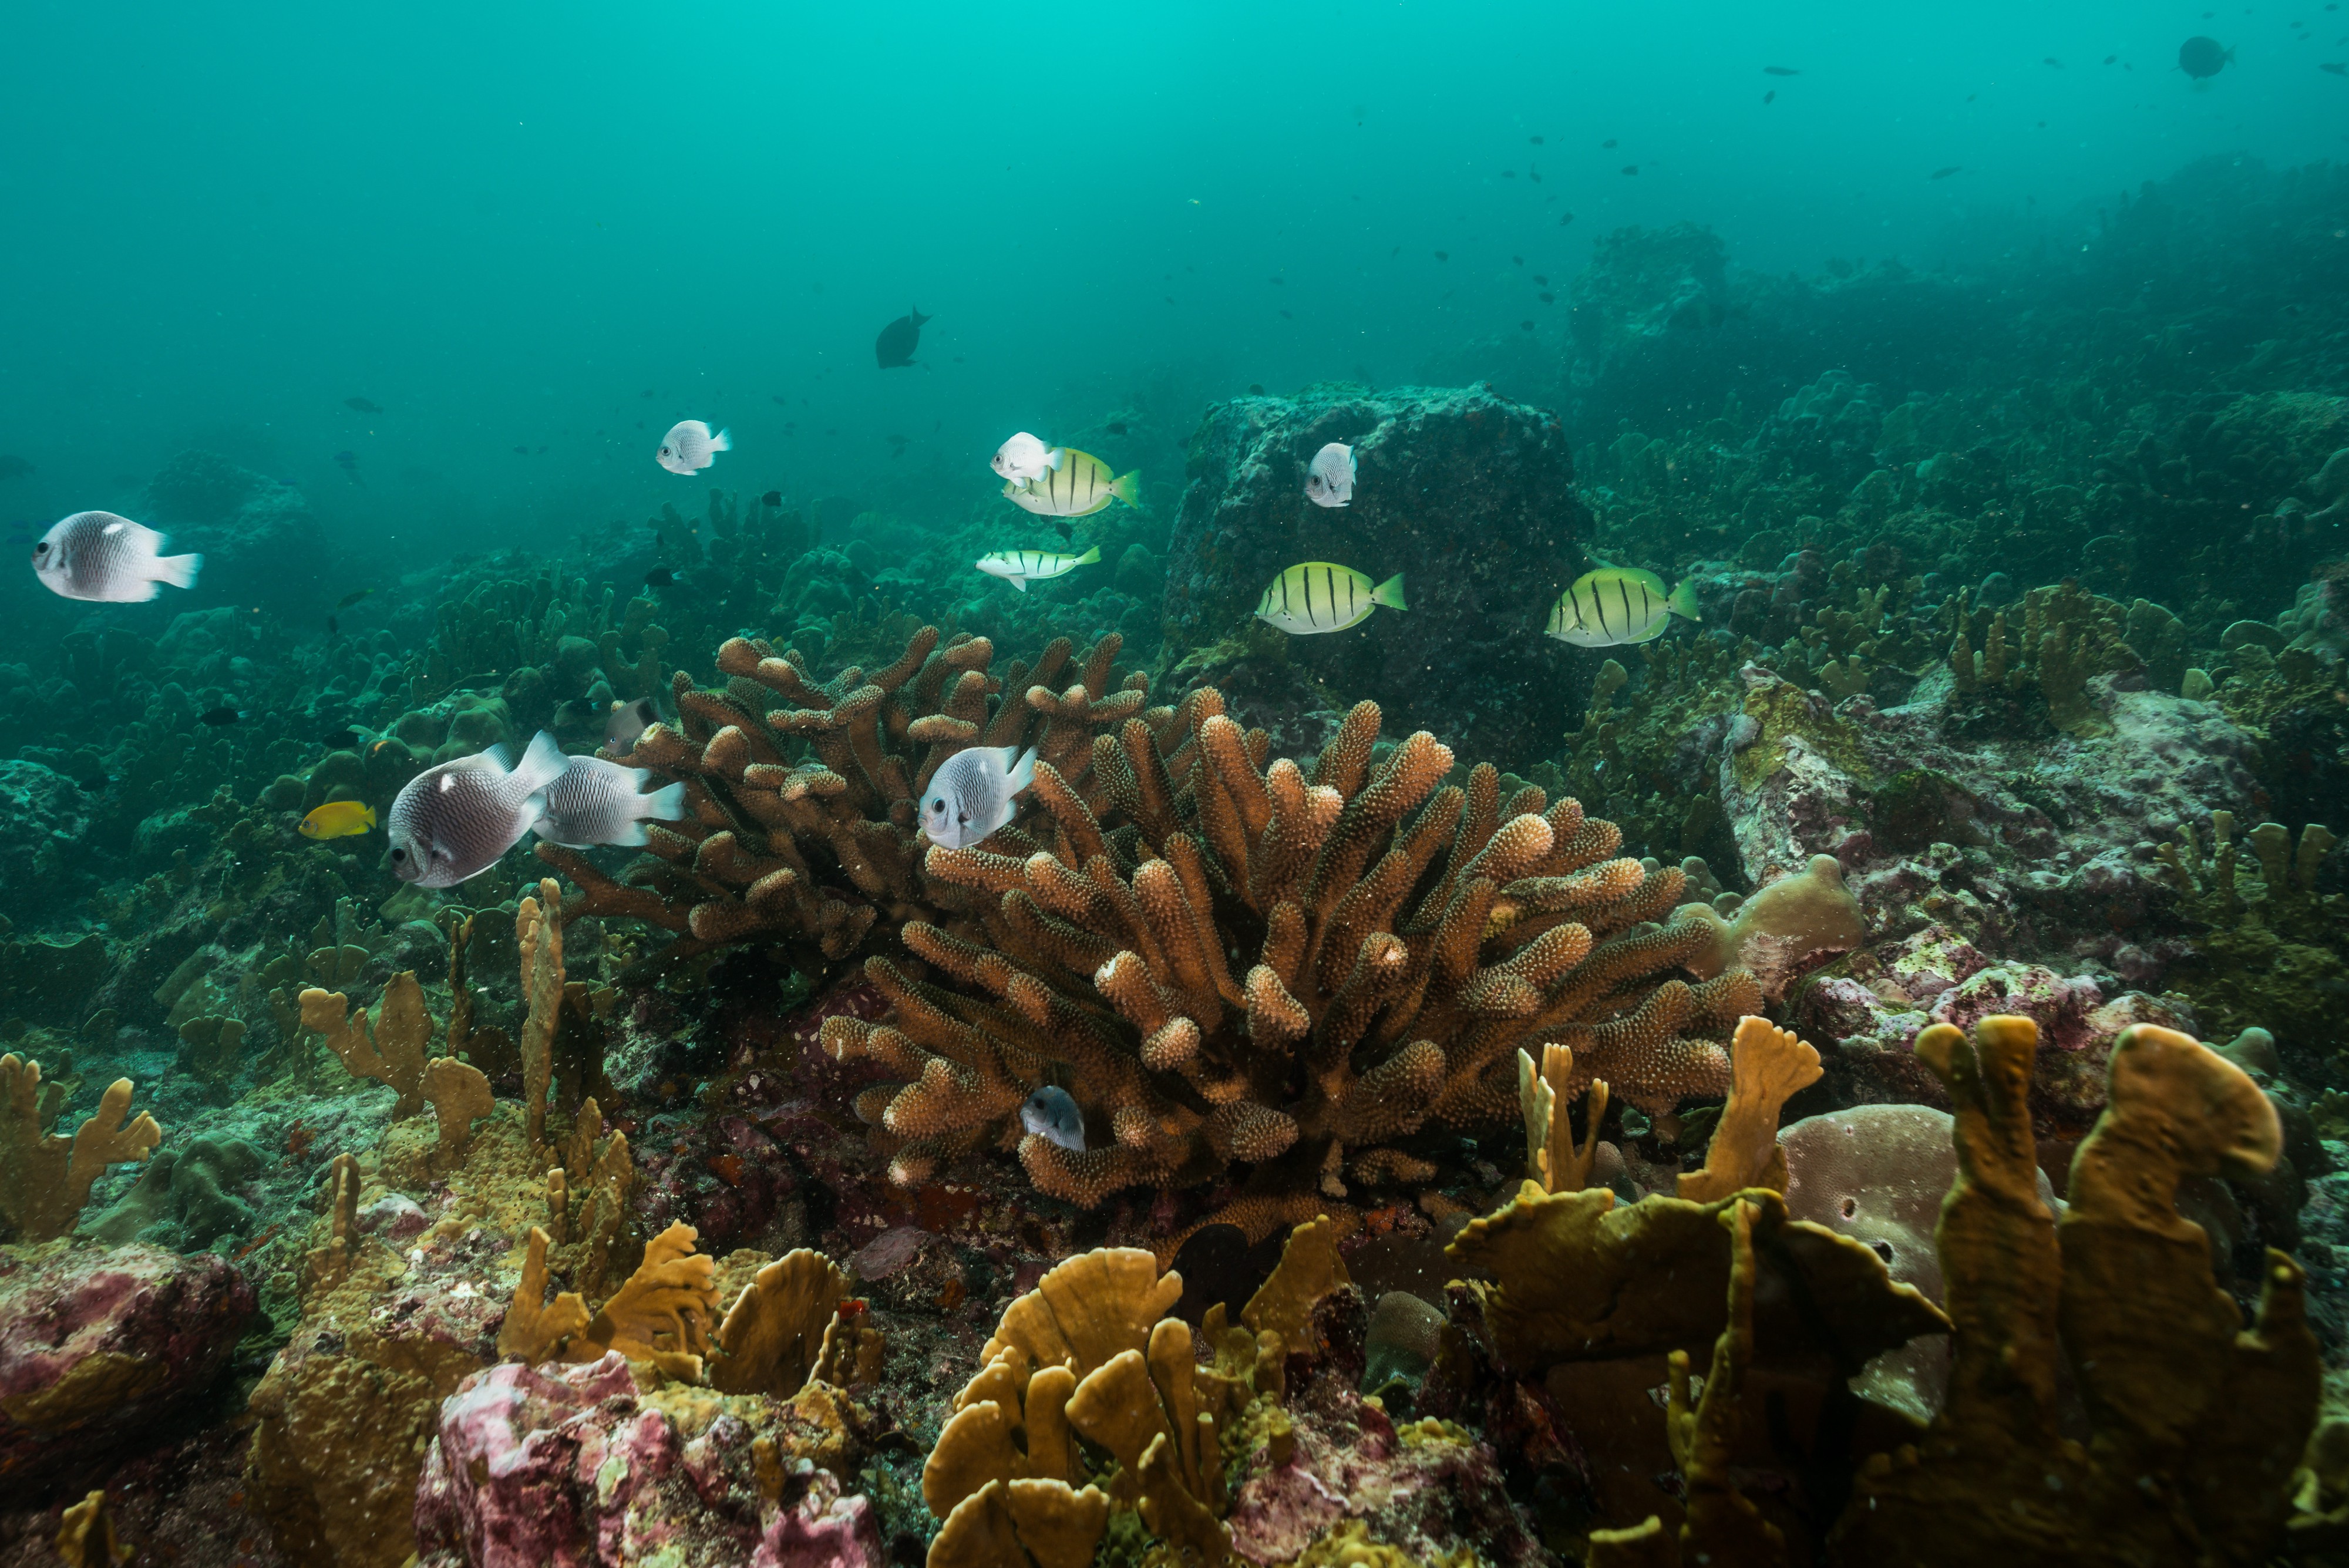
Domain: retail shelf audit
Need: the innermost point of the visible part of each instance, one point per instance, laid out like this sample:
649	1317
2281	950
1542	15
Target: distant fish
1617	605
218	717
688	448
1564	219
1444	255
2203	59
340	739
659	577
348	599
2338	68
971	793
522	451
1779	71
1025	457
1770	97
894	348
2052	60
362	406
337	819
1287	316
1525	325
1020	568
597	802
1546	298
1052	1114
628	721
1945	172
773	498
1318	596
1534	140
1079	487
1533	175
1630	169
2110	59
333	629
453	821
1330	477
107	559
348	461
14	467
1115	426
1610	143
777	398
1516	261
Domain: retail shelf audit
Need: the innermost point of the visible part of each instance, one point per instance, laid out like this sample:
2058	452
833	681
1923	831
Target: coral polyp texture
1228	963
802	826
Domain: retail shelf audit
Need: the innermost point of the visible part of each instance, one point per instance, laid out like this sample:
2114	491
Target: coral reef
1265	989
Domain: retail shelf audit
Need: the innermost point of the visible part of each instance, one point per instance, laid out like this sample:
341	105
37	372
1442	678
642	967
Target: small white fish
1021	568
1052	1112
970	795
1023	458
99	556
1329	478
628	721
597	802
453	822
687	447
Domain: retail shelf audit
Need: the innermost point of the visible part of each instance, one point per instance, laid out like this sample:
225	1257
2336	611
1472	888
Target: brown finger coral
1231	964
801	793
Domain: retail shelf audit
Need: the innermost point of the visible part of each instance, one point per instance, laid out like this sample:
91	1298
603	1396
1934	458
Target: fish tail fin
1088	558
1127	488
722	441
1022	772
1682	601
540	765
664	805
179	571
367	814
1389	593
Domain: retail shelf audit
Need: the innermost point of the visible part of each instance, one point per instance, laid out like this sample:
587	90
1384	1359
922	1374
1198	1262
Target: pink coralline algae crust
140	1328
1427	1496
566	1467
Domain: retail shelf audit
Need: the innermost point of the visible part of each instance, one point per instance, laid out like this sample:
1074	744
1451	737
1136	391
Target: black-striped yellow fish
1079	487
1318	596
1616	605
1020	568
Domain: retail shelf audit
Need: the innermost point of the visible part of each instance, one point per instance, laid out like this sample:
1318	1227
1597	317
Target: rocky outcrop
1468	495
99	1345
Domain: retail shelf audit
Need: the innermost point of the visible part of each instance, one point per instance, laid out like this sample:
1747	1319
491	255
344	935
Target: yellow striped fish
1020	568
1318	596
1616	605
1079	487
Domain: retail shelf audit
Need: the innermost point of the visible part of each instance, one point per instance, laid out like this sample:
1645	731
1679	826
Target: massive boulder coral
1257	968
1468	495
801	793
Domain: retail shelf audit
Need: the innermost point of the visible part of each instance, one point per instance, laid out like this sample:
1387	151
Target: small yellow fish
1616	605
1079	487
339	819
1318	596
1020	568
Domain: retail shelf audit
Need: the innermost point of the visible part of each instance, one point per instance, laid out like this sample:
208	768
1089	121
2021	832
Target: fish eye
399	855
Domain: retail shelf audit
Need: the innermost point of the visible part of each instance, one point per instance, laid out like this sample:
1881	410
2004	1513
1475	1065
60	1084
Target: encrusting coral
1225	963
45	1180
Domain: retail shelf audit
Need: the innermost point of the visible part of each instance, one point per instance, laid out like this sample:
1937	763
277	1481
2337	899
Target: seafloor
674	1206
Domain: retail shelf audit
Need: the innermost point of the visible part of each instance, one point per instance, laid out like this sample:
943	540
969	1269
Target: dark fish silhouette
348	600
14	467
338	739
216	716
333	629
1779	71
1630	169
522	451
659	577
348	461
894	348
362	406
773	498
1525	326
2052	60
1770	97
2338	68
1444	255
1564	219
1945	173
1534	140
2203	57
1116	427
1609	143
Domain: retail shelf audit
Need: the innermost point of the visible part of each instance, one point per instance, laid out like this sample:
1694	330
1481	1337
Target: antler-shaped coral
800	793
45	1180
1225	963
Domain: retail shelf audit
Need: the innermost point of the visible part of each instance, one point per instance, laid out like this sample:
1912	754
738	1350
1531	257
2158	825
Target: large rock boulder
1468	495
262	543
98	1345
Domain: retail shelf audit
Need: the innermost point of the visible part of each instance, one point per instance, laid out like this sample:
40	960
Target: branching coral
1253	966
45	1180
802	824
